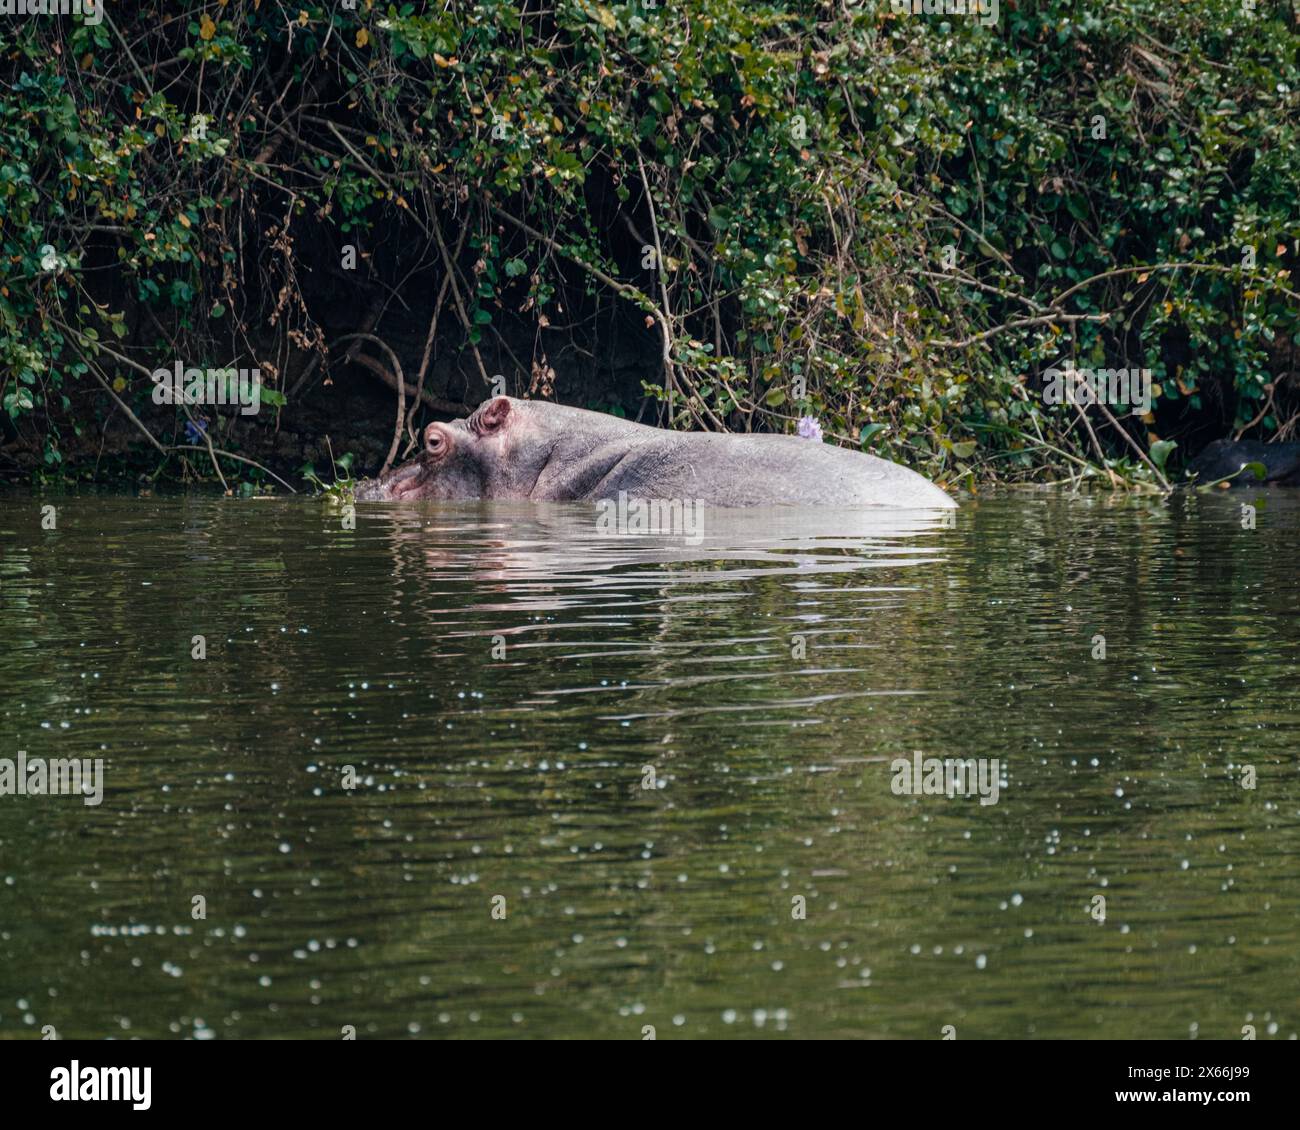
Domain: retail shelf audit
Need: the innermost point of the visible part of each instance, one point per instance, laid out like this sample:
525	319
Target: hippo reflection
535	450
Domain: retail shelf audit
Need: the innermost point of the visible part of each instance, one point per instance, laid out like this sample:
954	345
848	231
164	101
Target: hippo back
723	469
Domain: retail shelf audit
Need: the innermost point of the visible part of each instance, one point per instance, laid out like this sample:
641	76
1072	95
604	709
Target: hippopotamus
1224	458
536	450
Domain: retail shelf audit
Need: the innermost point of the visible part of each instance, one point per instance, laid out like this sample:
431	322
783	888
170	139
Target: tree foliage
890	221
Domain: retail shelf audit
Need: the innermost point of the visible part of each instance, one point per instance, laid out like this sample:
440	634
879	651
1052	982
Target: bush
890	221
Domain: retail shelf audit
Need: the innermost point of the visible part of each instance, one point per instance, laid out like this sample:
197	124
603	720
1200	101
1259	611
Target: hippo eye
435	440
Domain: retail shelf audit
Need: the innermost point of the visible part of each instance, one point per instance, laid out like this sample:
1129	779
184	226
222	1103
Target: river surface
488	771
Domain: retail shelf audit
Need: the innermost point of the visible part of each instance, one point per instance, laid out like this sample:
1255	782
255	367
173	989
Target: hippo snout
398	482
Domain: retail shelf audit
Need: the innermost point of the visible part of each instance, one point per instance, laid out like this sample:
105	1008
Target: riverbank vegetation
712	213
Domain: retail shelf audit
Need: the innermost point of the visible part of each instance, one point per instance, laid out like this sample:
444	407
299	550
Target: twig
428	347
1045	320
437	403
627	290
1216	267
450	266
401	389
670	384
1134	445
125	47
212	451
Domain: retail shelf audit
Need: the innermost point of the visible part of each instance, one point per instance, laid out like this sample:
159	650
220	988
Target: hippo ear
492	416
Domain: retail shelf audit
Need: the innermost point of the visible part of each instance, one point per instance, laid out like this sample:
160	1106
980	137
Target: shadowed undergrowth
748	213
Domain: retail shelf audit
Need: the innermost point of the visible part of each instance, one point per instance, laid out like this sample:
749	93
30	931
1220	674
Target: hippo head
465	459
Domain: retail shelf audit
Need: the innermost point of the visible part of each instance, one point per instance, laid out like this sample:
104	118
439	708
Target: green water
503	679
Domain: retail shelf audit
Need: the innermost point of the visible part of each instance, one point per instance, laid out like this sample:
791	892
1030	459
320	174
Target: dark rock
1225	458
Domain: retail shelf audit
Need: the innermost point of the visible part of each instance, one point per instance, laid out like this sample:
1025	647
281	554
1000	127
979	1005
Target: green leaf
1160	451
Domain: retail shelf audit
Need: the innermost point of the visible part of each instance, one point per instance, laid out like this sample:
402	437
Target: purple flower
194	430
809	428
